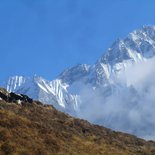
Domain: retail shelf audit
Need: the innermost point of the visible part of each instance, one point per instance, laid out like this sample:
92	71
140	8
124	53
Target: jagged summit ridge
137	45
75	73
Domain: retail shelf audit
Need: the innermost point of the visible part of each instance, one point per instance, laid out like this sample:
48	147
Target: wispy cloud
130	108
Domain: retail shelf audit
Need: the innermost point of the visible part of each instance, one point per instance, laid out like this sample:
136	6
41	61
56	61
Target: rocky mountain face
30	127
75	87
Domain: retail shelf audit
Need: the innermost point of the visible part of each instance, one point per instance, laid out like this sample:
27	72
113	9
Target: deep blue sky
44	37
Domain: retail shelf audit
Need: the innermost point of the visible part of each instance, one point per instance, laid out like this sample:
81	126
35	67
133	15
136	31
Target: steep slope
137	46
34	128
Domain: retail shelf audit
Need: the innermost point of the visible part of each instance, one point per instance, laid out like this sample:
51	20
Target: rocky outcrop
15	98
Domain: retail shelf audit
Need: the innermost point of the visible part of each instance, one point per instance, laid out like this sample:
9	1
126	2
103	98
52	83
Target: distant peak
145	27
139	43
16	77
36	77
76	72
146	30
14	82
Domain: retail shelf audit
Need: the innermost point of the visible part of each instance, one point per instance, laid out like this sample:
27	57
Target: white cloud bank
131	107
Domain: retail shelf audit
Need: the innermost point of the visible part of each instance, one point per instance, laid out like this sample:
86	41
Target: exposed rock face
12	97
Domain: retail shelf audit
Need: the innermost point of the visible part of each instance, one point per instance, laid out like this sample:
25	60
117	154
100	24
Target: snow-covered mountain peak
14	82
138	45
75	73
38	79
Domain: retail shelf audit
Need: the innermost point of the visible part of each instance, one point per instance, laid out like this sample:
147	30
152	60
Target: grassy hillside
36	129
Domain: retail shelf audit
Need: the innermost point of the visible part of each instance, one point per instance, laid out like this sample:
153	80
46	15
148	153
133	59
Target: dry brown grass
35	129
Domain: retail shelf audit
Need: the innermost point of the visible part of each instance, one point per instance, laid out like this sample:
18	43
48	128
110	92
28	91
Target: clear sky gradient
44	37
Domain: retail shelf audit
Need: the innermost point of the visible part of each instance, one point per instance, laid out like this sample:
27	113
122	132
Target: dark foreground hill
30	128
